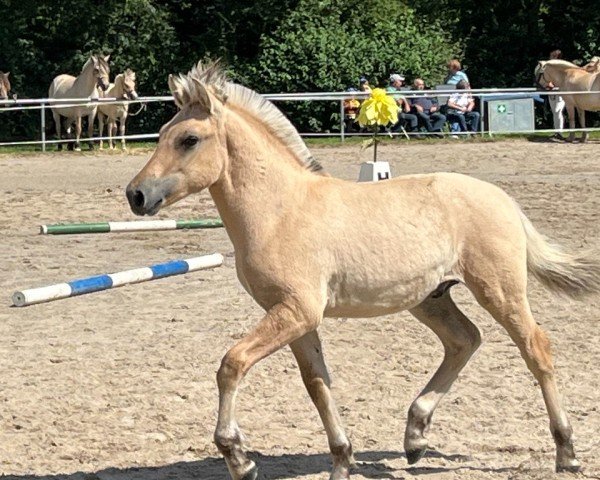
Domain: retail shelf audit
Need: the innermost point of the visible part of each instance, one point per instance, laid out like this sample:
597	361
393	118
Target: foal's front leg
77	134
91	118
309	355
584	133
283	323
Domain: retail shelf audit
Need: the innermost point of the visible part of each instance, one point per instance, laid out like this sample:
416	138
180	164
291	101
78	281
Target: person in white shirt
461	109
557	104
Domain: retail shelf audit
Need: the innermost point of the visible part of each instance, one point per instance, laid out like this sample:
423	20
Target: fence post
342	125
43	114
481	112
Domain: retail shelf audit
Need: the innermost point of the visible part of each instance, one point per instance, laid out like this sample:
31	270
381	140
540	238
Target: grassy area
146	146
133	147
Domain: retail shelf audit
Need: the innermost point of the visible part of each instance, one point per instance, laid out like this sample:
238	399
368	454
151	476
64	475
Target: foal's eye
190	141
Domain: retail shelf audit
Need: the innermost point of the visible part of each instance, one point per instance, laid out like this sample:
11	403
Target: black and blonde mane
212	77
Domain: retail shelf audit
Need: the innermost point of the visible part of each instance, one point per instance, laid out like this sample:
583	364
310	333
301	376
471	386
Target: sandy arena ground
120	385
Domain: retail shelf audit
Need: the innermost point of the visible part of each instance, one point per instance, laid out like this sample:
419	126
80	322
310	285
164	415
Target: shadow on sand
369	465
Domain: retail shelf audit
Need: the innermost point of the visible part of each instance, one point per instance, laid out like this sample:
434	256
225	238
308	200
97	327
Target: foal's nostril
138	199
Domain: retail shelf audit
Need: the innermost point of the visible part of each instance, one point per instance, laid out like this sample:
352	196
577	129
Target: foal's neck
263	182
117	89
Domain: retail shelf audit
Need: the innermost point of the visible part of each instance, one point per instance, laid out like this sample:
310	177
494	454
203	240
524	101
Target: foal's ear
204	97
107	58
179	93
8	73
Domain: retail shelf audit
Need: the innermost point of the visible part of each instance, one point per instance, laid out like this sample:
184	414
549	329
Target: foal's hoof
251	474
573	466
413	456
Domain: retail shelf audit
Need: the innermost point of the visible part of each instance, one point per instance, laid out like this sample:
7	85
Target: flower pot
374	171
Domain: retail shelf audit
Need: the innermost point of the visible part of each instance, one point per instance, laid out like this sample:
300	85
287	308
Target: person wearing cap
405	118
364	85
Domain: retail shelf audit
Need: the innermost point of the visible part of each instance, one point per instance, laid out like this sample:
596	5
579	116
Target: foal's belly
367	297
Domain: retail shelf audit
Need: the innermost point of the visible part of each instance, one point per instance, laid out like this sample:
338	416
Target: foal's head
4	85
191	151
129	84
194	150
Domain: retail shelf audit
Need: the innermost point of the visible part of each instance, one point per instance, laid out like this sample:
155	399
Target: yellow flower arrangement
379	109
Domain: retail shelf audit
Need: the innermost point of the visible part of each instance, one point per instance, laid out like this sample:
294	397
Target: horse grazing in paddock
4	85
571	78
309	246
124	87
95	73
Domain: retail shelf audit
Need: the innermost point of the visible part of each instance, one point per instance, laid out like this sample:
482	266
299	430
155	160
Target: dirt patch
120	385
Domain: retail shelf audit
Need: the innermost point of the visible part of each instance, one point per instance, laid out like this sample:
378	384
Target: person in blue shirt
455	74
426	109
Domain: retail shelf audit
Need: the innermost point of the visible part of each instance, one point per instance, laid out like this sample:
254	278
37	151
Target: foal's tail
561	272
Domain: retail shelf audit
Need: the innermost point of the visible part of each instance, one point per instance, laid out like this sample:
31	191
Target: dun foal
309	246
124	87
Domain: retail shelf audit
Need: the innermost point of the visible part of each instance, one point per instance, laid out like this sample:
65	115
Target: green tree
325	45
42	39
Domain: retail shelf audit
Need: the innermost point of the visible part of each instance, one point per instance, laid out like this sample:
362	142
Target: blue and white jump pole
103	282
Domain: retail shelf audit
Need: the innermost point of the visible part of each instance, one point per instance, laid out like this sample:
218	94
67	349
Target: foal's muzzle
150	195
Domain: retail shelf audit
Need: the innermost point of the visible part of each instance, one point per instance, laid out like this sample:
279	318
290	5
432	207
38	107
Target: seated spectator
427	110
351	108
455	74
406	120
461	107
364	85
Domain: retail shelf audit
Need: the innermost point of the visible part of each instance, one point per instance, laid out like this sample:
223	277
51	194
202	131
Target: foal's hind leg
507	302
309	355
460	338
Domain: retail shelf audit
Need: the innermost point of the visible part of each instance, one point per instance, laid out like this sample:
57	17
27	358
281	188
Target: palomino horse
571	78
4	85
309	246
124	87
94	73
593	66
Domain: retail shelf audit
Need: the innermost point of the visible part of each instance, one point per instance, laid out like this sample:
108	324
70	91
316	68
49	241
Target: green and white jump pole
136	226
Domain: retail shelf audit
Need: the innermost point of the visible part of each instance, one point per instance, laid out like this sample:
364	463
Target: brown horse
571	78
309	246
4	85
